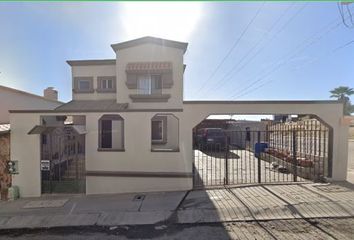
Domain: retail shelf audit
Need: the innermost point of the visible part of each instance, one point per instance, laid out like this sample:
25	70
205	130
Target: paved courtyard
242	168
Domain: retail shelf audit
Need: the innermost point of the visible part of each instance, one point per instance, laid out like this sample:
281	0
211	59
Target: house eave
93	62
263	102
98	111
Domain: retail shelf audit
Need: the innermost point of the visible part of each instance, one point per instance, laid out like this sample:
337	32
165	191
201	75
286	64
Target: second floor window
84	85
149	84
107	84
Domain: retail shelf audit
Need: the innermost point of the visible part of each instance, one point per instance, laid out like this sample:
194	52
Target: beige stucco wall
138	156
26	150
93	71
149	53
11	100
330	113
98	185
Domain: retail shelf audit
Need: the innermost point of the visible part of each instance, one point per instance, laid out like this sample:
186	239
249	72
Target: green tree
342	93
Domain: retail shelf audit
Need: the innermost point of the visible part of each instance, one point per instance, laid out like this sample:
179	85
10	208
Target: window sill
159	143
165	150
106	90
83	91
110	150
150	97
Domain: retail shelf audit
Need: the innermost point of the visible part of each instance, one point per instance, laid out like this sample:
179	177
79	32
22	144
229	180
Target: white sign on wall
45	165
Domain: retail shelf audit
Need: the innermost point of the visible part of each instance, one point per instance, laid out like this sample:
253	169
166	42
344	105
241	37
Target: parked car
214	138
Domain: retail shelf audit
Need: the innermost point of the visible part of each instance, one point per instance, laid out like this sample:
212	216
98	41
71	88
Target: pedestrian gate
63	161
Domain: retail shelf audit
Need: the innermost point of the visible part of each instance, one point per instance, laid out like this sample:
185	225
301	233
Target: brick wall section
5	179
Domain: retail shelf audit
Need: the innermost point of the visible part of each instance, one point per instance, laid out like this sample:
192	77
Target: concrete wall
12	100
148	53
237	133
93	71
26	150
330	112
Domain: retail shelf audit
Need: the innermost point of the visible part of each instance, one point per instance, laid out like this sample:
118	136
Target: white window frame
112	118
162	132
105	84
148	78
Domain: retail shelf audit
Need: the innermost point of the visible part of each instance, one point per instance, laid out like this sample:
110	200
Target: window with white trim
157	130
164	132
106	84
111	133
148	84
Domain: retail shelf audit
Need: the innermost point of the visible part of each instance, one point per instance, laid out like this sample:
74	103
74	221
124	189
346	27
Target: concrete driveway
242	169
268	202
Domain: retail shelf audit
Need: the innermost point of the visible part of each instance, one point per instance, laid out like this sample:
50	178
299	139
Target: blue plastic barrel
259	148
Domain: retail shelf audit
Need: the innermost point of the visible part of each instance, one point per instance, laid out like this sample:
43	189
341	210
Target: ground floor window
164	133
111	133
159	129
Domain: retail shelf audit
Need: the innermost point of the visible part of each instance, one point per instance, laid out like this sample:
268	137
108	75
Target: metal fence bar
259	158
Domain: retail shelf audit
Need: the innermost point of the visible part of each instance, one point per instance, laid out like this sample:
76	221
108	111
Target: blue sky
289	51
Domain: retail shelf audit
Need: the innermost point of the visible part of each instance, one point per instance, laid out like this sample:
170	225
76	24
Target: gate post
258	157
226	177
294	155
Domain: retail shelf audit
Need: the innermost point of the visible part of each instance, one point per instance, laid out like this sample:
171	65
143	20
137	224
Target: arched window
111	133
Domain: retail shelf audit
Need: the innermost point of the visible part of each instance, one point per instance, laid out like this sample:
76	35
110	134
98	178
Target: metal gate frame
53	180
291	155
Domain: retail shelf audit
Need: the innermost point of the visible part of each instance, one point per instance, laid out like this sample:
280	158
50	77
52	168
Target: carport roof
43	129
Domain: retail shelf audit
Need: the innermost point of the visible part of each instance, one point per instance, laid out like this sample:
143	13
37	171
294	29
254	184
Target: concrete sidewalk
82	210
244	203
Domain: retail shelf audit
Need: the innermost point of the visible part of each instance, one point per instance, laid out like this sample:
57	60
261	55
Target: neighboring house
14	99
243	130
128	128
215	123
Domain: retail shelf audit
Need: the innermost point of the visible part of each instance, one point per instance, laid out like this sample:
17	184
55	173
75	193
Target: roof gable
13	90
153	40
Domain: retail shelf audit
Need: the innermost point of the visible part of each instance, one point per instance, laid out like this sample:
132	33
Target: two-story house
128	128
130	108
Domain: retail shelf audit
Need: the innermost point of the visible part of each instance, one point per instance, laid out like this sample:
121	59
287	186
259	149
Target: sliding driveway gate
280	154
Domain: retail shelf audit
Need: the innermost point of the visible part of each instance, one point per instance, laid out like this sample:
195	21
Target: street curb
106	227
